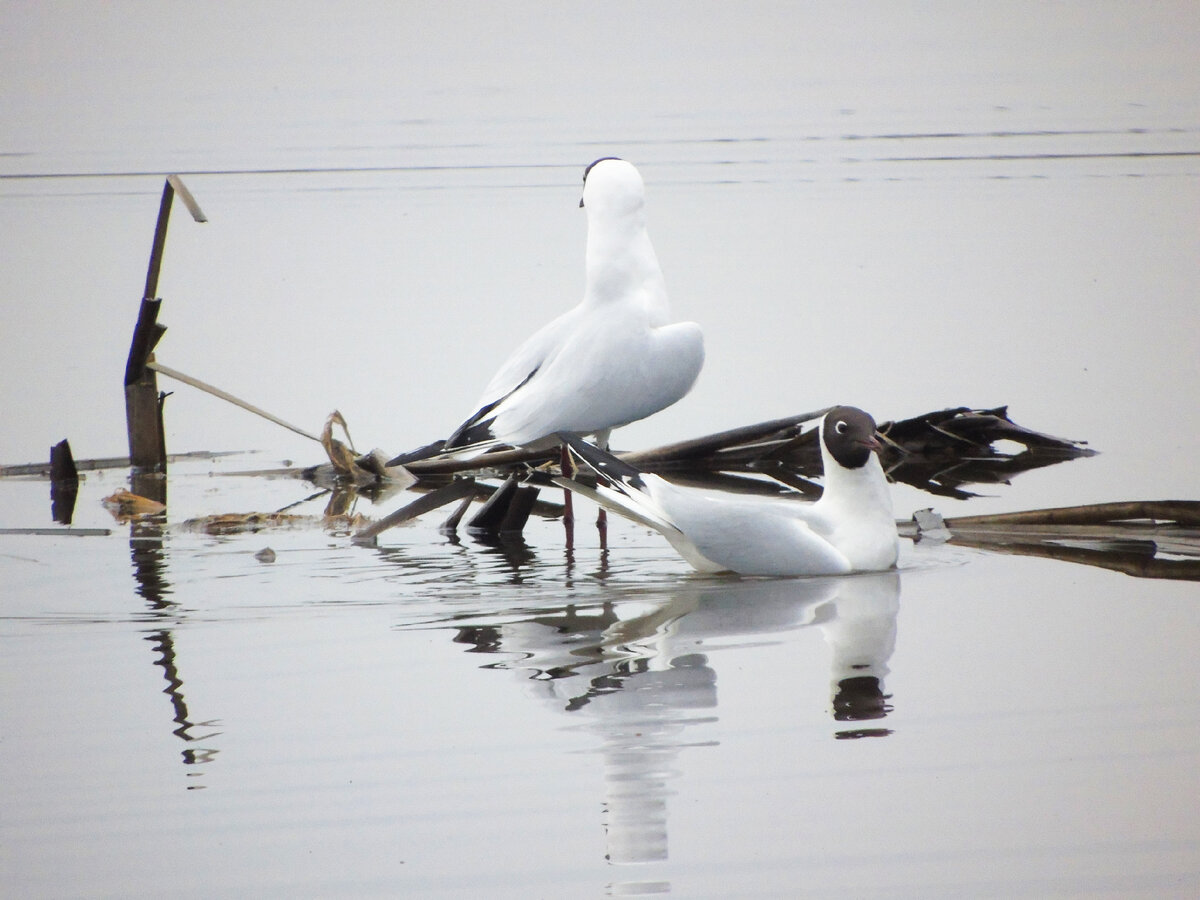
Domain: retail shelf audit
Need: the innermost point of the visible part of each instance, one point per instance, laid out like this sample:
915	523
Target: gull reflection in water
643	678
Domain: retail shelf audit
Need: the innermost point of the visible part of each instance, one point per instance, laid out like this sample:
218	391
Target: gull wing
715	533
750	536
514	374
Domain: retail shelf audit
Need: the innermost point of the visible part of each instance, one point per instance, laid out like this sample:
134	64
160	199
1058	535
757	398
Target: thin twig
224	395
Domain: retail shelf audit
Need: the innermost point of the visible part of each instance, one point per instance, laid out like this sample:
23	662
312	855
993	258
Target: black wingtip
478	428
475	430
470	432
601	461
420	453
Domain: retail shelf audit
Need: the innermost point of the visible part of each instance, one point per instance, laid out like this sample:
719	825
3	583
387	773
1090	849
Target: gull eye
840	427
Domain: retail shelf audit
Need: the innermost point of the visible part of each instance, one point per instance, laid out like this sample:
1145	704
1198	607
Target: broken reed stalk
450	466
455	490
64	483
507	510
59	532
143	403
679	452
62	463
186	196
229	398
143	410
712	443
1182	512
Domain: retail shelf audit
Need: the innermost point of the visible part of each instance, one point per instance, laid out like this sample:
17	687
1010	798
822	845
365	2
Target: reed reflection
150	573
510	551
644	681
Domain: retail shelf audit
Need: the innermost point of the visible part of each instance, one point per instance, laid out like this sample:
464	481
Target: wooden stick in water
1183	512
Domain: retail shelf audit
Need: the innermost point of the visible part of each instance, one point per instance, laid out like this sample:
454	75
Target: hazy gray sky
204	79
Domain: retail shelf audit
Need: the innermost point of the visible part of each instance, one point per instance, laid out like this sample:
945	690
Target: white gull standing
613	359
849	529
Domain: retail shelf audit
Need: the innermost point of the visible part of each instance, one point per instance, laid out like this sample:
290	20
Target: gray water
874	204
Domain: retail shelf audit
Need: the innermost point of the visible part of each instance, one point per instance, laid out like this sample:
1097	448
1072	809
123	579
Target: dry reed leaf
340	456
127	505
238	523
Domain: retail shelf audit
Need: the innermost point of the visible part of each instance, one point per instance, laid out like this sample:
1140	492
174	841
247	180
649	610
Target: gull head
612	186
848	435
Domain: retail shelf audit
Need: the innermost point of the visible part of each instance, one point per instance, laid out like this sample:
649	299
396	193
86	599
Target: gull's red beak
872	443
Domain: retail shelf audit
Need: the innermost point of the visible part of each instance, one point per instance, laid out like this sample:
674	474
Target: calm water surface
873	207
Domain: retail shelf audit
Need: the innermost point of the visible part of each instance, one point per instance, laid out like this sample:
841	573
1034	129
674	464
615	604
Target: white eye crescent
840	427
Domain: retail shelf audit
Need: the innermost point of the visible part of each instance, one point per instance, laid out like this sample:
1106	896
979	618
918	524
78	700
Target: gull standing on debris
849	529
613	359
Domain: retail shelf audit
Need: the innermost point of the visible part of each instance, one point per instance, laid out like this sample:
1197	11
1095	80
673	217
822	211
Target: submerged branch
455	490
1143	538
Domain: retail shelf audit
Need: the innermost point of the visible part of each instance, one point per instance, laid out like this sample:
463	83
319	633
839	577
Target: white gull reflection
639	680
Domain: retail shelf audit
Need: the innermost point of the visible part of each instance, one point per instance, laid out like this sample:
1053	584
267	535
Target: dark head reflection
862	635
860	697
643	684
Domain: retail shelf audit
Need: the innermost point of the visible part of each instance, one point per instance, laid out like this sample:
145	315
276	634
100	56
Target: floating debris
241	523
55	532
1146	539
938	452
1133	512
125	505
42	470
941	452
361	469
455	490
944	453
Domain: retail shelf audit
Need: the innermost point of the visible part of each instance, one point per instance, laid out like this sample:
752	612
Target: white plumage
849	529
613	359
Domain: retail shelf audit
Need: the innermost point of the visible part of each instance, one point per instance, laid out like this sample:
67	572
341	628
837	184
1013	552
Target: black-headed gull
849	529
613	359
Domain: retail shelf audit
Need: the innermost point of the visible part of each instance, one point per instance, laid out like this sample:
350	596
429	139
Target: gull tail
472	438
439	450
619	486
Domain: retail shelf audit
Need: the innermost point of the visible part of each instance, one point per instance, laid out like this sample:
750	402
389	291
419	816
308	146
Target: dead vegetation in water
1145	539
125	505
944	453
254	522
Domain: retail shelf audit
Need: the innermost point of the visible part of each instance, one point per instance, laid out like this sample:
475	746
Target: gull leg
568	506
602	515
